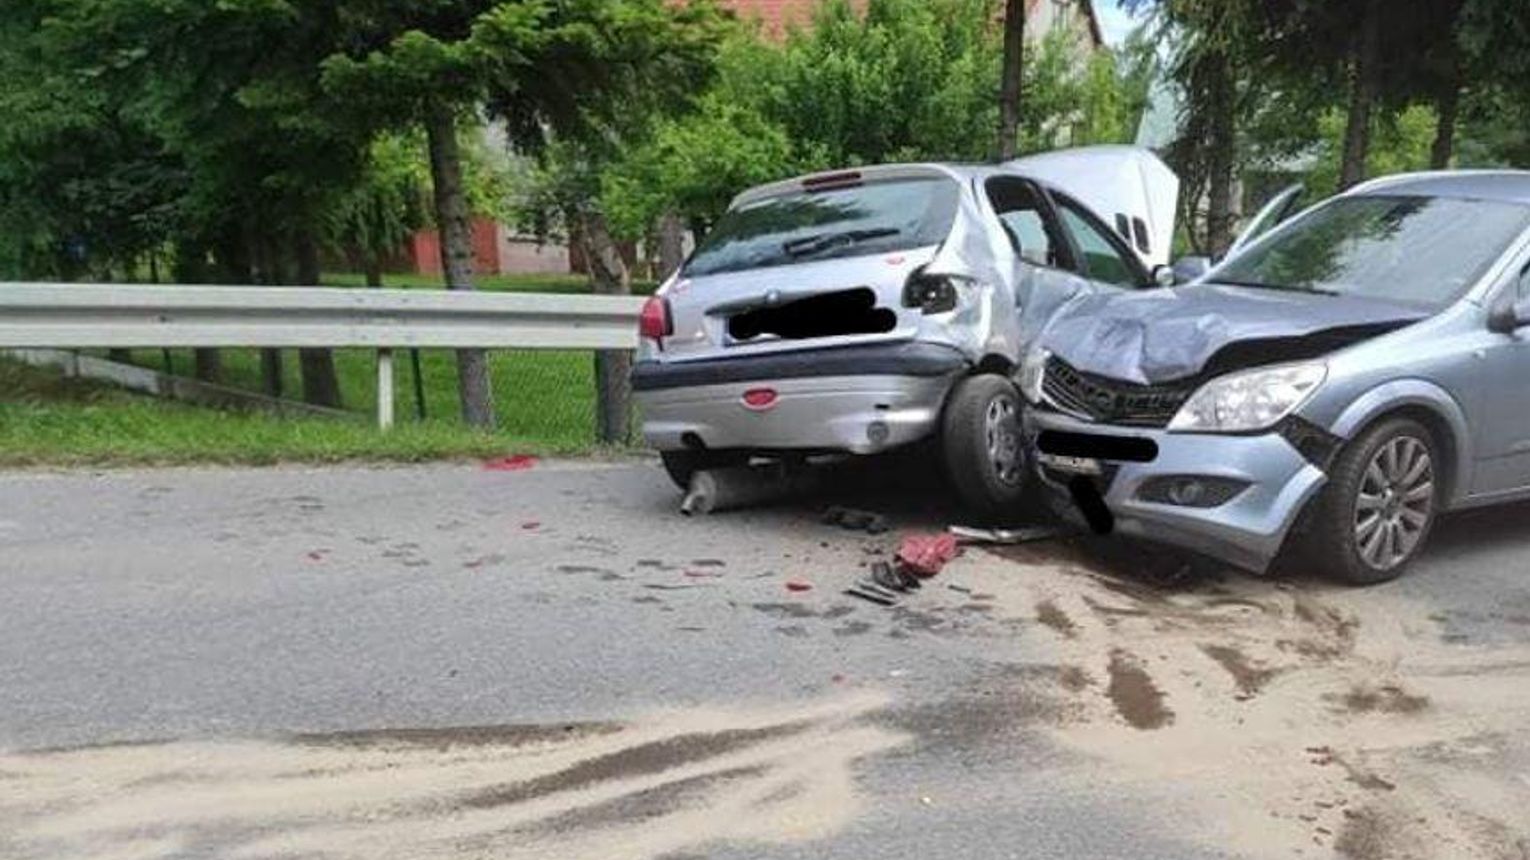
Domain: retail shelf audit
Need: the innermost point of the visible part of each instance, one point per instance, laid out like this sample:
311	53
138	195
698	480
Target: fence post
385	389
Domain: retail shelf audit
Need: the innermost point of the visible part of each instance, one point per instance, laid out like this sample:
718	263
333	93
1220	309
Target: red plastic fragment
925	555
531	526
798	585
513	463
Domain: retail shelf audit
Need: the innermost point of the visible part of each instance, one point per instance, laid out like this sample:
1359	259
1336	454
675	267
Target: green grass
46	419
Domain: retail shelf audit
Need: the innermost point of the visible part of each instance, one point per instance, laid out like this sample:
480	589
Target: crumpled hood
1162	335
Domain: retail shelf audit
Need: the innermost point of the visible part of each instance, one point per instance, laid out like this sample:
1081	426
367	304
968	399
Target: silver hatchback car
1347	377
858	311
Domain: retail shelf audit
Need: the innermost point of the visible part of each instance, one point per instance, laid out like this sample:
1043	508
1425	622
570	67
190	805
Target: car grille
1110	401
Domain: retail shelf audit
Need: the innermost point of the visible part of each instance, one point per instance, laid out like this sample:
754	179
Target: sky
1115	21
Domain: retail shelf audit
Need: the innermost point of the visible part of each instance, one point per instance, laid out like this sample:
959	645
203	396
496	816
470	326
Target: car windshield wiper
1284	288
823	241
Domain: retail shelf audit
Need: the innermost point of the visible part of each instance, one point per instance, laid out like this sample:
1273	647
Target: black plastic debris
855	520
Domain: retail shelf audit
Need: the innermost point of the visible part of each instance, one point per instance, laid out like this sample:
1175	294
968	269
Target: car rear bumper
855	399
1247	530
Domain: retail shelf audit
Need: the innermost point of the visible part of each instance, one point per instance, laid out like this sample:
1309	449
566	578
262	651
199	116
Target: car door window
1026	220
1104	260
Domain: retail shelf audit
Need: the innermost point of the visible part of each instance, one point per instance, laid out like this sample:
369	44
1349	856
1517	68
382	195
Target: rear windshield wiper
1284	288
824	241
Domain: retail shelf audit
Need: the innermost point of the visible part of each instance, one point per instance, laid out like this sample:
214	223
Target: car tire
1378	509
682	464
981	441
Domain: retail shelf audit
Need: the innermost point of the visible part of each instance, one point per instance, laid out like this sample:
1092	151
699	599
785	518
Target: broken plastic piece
513	463
925	555
967	534
798	585
874	597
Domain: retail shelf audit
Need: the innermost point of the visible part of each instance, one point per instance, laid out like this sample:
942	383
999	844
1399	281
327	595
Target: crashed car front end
1184	417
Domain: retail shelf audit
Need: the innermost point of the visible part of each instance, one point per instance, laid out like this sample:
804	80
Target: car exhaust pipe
714	490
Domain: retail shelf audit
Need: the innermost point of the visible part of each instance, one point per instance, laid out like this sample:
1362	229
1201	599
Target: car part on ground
714	490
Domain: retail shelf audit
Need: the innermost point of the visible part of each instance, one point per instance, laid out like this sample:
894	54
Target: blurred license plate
1073	465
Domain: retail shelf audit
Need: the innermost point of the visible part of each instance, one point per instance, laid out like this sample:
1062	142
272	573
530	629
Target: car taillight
760	399
931	294
654	322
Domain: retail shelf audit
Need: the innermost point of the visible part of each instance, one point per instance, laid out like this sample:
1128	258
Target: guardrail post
385	389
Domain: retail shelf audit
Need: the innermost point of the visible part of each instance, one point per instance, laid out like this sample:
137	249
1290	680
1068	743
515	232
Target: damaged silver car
1345	379
858	311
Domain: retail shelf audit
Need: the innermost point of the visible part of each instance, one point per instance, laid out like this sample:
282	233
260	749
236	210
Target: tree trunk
321	385
1222	142
671	245
1445	133
609	275
1011	78
374	268
1367	80
457	257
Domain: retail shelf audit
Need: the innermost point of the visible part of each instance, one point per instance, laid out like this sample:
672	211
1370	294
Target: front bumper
1247	531
860	400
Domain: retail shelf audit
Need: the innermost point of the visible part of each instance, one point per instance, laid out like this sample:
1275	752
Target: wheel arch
1431	406
994	363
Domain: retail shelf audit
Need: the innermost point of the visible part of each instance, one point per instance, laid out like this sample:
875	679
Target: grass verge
46	419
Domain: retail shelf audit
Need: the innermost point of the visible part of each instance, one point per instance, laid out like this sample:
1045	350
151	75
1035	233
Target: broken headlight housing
1033	372
1249	400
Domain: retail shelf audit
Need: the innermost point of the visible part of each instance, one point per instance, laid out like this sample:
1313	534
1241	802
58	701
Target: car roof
1508	186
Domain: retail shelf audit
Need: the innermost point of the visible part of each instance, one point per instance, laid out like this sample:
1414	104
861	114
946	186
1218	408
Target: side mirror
1187	269
1163	276
1509	316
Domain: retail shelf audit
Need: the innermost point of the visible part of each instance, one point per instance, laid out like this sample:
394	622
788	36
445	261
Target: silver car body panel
1004	301
1448	369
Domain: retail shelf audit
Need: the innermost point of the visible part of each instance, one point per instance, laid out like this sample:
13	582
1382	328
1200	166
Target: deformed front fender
1416	393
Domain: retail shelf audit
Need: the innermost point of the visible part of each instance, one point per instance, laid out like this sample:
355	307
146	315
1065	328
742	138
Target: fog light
1191	491
877	432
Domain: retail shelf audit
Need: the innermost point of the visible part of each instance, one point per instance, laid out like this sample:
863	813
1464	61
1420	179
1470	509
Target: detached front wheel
985	458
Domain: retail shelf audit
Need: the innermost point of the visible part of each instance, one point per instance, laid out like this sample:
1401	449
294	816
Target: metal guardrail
128	316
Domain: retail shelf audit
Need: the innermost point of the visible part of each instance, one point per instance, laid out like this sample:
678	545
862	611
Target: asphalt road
447	661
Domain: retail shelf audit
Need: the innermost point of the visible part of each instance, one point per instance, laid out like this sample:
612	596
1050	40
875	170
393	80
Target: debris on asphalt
714	490
959	588
877	596
925	555
530	525
894	578
512	463
855	520
1006	537
797	585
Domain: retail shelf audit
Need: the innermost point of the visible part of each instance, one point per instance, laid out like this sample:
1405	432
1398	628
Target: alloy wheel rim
1000	429
1395	502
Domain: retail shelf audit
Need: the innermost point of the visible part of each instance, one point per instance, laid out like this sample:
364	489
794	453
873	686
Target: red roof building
776	16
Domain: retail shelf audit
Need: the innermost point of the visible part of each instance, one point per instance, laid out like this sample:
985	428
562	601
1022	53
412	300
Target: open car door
1128	187
1274	213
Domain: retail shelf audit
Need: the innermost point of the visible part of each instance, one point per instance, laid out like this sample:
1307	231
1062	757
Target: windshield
815	225
1417	250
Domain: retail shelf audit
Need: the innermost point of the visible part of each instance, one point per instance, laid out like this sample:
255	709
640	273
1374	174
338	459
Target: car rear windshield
1418	250
873	218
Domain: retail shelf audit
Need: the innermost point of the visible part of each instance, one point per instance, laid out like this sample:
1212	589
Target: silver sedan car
1332	387
857	311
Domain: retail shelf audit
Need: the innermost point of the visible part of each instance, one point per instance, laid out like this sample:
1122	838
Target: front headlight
1251	400
1033	372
